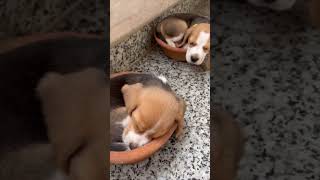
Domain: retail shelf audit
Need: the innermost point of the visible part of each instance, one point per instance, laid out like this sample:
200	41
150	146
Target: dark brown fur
228	145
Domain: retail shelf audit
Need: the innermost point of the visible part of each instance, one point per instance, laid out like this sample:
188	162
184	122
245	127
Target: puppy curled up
188	31
75	110
148	111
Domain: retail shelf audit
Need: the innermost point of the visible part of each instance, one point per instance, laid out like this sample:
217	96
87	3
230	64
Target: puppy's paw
171	43
163	79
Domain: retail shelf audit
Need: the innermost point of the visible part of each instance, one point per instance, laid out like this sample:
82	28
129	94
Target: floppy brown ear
186	36
48	83
131	96
180	117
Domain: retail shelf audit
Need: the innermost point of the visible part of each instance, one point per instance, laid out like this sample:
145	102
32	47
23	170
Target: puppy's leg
170	42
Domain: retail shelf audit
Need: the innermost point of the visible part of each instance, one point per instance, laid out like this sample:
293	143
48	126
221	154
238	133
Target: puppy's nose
132	146
269	1
194	58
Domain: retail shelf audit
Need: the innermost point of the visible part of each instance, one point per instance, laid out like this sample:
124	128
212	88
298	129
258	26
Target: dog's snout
194	58
269	1
132	146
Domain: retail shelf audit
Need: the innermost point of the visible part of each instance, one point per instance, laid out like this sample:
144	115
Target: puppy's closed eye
192	44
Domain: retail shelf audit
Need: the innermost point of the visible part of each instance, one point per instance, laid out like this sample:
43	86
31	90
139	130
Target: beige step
128	16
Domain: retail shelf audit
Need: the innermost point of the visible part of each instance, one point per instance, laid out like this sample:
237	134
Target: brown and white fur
197	42
172	30
75	110
152	112
145	107
189	31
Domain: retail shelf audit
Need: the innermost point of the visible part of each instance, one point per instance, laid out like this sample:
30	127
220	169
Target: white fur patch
278	5
197	50
171	41
125	121
163	79
133	138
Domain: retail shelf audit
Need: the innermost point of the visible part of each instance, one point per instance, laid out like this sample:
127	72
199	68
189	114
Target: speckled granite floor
188	158
267	74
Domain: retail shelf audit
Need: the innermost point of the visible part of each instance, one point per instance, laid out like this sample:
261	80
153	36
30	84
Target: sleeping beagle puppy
150	109
74	107
189	31
28	154
152	112
197	42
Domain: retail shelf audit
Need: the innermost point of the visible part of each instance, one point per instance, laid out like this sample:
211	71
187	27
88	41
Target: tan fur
228	145
153	110
193	32
75	109
172	27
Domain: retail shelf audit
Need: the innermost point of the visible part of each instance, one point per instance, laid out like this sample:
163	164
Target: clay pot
16	42
141	153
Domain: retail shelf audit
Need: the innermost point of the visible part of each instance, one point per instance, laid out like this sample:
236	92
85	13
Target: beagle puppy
197	42
150	109
74	107
152	112
228	144
24	140
189	31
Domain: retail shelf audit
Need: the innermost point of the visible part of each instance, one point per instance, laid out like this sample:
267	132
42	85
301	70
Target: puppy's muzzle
194	58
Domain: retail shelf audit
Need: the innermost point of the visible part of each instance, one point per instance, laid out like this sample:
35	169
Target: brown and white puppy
172	30
189	31
197	42
228	144
152	112
75	110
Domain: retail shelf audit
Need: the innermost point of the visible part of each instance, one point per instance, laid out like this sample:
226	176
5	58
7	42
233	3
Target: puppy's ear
180	117
131	96
186	36
48	83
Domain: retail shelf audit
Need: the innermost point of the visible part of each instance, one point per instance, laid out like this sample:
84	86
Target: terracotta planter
9	44
141	153
177	54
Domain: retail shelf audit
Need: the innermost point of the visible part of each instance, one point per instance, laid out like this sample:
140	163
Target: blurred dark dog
23	131
228	145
